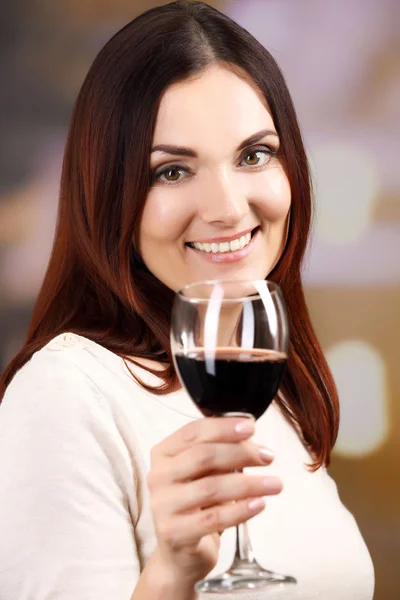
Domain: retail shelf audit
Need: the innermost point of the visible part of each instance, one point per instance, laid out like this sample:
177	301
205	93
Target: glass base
242	576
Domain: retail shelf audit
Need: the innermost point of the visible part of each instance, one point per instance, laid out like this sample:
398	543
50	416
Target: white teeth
224	247
232	246
244	240
235	245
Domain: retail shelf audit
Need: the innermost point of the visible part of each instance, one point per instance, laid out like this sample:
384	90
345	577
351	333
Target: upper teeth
225	246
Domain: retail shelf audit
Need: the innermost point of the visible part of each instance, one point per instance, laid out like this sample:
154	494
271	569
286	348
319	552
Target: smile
226	252
232	246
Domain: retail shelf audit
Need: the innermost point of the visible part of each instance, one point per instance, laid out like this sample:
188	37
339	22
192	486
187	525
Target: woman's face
214	187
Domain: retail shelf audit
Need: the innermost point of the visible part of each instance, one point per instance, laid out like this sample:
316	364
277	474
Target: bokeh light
359	373
346	188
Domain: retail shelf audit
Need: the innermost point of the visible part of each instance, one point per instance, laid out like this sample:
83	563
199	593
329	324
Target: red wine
236	380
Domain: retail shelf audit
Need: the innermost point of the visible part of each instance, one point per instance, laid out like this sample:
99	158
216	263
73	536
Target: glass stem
244	551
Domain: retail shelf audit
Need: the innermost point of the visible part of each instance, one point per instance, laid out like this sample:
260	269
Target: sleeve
66	489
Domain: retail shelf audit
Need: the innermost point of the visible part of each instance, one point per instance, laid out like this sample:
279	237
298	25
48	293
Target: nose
221	202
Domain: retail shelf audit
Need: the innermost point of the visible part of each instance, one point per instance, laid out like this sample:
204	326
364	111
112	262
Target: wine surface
228	380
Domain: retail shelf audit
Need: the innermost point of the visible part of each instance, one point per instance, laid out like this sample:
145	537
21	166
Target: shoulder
62	370
55	407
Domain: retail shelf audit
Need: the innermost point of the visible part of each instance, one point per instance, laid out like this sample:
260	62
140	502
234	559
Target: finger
180	531
208	458
211	429
210	491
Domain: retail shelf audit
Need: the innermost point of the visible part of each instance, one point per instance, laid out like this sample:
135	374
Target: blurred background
341	60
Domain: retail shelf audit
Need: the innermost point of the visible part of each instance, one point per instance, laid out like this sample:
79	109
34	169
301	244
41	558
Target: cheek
164	218
274	195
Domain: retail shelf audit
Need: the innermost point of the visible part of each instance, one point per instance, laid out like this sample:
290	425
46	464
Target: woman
183	138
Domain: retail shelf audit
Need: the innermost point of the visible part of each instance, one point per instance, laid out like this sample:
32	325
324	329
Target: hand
195	495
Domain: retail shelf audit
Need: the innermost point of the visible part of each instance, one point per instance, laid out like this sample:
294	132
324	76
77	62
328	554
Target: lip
220	240
227	257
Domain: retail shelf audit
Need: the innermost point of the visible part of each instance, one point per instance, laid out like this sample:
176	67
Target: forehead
217	106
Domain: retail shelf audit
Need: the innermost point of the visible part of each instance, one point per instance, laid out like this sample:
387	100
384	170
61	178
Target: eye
258	156
172	174
169	175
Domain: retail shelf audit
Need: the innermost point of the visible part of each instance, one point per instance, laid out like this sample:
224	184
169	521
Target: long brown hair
96	284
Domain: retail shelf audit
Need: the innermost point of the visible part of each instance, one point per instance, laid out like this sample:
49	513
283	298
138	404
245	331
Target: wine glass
229	342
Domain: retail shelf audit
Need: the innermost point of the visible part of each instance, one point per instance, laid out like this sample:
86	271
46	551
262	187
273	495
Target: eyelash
156	175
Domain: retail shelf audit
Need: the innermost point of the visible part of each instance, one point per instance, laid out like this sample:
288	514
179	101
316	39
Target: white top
75	523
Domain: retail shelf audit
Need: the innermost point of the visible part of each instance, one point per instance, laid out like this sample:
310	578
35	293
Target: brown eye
252	158
258	157
172	174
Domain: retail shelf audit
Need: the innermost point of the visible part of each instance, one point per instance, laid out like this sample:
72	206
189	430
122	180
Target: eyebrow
181	151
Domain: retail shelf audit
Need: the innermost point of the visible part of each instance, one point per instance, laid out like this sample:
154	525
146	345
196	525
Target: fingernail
266	455
273	485
244	428
256	504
